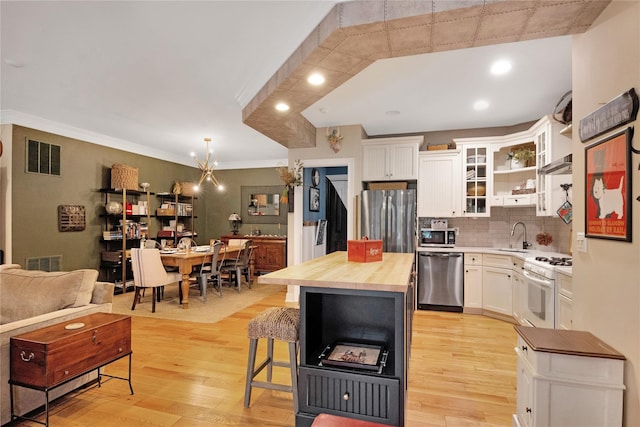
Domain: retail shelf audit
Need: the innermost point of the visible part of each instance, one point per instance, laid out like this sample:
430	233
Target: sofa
31	300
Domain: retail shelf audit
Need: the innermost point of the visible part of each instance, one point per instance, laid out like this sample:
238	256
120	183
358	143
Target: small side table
47	358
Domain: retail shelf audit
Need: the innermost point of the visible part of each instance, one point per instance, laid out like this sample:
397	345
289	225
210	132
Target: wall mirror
264	204
261	205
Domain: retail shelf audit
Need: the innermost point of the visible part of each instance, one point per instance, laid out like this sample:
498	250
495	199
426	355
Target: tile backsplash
495	231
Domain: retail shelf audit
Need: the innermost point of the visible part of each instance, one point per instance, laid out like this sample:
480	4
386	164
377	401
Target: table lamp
235	219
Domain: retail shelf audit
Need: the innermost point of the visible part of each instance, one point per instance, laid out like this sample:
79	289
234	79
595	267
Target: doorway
336	213
296	253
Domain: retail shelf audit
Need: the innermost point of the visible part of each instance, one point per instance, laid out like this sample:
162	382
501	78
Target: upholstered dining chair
210	271
149	272
236	268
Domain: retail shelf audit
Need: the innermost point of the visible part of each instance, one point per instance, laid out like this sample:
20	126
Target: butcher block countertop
392	274
576	343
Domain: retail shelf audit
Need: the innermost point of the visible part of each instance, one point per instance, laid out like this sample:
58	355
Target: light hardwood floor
462	373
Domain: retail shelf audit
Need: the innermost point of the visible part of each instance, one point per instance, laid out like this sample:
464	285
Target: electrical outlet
581	242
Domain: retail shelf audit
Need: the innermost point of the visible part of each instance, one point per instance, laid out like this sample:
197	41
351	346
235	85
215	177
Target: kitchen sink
521	251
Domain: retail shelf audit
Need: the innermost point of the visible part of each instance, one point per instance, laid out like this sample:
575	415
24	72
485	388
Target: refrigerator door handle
391	225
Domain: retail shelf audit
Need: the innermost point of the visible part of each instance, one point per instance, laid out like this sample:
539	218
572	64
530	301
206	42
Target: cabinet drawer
577	368
367	397
472	258
519	200
500	261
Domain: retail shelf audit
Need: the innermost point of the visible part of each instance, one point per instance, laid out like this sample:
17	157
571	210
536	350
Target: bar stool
282	323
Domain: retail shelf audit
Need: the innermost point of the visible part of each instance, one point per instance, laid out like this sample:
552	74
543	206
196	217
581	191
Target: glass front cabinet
477	183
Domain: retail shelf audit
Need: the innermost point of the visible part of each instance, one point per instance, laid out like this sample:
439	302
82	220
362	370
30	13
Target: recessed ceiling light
315	79
392	113
480	105
282	106
500	67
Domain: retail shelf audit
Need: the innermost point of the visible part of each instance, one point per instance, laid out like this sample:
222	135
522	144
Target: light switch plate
581	242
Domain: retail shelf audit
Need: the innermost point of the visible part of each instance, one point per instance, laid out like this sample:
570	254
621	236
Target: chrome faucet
525	244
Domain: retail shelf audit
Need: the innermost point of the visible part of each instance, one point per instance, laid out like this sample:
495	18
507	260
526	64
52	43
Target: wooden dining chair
149	272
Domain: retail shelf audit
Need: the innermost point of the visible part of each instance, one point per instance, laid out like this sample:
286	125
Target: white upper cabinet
391	159
510	183
476	178
550	145
514	171
439	183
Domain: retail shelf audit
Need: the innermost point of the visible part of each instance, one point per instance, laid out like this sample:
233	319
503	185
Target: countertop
392	274
521	254
579	343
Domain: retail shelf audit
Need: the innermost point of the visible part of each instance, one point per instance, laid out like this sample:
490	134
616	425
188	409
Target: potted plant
291	177
522	157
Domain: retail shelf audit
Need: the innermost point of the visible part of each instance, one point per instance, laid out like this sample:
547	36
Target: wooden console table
52	356
270	253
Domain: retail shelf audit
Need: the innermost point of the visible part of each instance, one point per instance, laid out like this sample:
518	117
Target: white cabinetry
498	177
517	286
550	145
439	182
567	378
564	301
476	176
472	282
391	159
511	176
497	294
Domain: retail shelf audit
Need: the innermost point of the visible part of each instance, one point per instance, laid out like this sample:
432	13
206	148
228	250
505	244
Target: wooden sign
71	218
619	111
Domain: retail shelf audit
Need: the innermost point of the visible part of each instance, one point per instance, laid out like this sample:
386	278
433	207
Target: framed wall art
314	199
608	187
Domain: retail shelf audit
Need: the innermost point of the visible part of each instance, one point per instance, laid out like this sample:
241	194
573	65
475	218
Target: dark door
336	221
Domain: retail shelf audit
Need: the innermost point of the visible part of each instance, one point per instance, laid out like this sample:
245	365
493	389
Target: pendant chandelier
206	168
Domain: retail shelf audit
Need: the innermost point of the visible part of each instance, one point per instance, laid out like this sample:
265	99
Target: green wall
85	168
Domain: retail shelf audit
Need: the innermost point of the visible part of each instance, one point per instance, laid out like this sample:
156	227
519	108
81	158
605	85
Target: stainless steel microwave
438	237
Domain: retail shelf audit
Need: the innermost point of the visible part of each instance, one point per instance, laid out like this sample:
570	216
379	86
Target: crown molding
12	117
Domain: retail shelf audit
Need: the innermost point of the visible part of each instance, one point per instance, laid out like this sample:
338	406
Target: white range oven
538	295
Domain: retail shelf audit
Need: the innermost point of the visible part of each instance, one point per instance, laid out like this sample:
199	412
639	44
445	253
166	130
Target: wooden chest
47	357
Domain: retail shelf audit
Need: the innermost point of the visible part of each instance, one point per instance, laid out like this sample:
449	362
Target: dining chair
187	243
210	271
152	244
236	268
149	272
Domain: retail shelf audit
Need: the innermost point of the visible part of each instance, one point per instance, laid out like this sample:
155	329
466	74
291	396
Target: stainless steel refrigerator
390	216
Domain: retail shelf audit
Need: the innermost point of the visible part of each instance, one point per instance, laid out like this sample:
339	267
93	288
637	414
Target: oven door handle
540	282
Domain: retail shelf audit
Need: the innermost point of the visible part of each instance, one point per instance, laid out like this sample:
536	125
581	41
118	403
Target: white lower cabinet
473	281
517	286
497	294
564	302
567	378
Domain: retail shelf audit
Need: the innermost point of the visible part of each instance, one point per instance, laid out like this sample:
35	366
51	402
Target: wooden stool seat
326	420
282	323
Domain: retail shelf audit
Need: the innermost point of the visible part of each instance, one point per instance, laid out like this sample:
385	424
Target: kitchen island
365	307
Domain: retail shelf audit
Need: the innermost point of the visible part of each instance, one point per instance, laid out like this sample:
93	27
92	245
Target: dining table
185	260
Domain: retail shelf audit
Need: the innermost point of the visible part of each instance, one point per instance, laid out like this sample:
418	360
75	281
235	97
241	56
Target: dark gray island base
368	311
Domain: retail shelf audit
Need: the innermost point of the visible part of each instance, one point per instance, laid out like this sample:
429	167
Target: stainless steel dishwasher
440	281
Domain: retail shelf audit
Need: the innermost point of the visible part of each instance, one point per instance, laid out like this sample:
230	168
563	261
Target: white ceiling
157	77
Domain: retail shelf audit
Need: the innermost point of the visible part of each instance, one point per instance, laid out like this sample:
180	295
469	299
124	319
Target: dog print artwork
608	188
610	201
